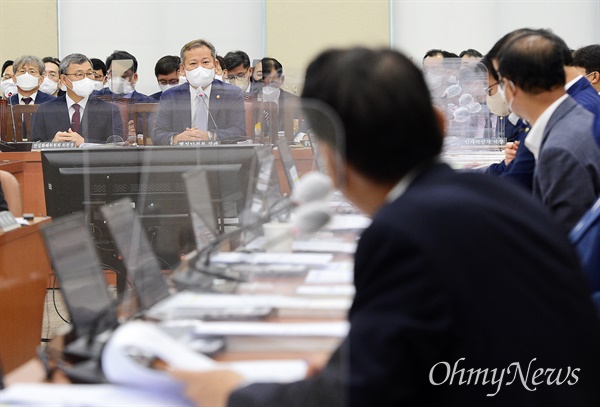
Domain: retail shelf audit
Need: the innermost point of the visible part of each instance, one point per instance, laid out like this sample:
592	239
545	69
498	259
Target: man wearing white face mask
203	108
76	116
167	74
121	78
51	83
237	71
8	85
29	74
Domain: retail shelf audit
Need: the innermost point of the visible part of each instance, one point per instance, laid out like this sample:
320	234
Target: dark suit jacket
567	172
156	96
226	107
584	93
433	286
136	96
100	120
40	98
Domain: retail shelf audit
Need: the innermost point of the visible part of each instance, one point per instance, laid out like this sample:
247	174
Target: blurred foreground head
372	107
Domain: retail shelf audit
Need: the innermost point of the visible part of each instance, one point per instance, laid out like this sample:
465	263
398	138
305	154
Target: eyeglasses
32	72
52	74
169	82
80	75
98	77
239	77
488	89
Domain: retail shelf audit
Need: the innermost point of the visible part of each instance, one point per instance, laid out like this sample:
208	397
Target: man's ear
594	77
134	79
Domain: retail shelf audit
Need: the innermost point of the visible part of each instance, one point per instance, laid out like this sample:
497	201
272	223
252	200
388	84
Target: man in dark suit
204	108
76	116
440	316
167	75
563	158
29	75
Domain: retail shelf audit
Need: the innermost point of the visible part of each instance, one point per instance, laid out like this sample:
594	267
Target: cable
54	300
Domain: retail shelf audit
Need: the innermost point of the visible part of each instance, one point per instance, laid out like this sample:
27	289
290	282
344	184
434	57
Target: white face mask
119	86
48	86
271	93
241	83
503	96
182	80
219	77
9	88
98	85
83	87
27	82
165	87
496	104
200	77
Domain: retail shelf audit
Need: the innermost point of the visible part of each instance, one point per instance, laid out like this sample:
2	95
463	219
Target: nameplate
197	143
8	222
497	141
39	145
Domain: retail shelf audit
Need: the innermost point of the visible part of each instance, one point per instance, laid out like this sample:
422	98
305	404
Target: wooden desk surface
30	177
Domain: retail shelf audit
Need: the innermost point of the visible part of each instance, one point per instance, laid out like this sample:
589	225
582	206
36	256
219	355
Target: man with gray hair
29	75
203	108
76	116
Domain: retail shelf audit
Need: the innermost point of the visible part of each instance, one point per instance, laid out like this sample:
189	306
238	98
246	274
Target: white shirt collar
571	83
534	138
513	118
32	96
81	103
400	188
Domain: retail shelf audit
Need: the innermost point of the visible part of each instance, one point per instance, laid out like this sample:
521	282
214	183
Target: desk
24	268
303	158
30	177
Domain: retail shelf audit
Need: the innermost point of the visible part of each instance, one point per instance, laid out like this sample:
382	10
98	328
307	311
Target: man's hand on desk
191	134
70	135
208	388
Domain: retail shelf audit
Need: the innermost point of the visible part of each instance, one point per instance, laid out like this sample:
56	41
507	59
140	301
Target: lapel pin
218	96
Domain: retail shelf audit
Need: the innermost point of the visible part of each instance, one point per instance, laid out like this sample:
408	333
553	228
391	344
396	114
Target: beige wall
296	31
41	35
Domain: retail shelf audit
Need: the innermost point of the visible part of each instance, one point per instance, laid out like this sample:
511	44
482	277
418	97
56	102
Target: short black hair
492	54
5	65
271	64
383	104
473	53
221	61
433	52
535	62
167	65
588	58
53	60
98	64
448	54
233	59
119	56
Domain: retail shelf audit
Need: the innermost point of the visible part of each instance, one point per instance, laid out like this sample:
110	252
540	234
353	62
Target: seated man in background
29	74
121	78
7	85
435	320
99	68
76	116
587	59
203	108
167	74
566	173
51	83
237	71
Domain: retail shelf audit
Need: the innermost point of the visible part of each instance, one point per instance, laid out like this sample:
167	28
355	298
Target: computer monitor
84	180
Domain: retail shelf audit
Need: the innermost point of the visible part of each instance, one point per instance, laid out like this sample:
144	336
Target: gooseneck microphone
312	189
12	116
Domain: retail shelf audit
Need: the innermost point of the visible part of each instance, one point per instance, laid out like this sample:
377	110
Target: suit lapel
561	111
216	102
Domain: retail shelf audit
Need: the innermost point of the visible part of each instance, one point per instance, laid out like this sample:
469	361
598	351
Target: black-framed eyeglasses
80	75
169	82
239	77
488	89
32	72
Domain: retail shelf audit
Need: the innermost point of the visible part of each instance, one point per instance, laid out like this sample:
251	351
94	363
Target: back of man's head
233	59
535	62
120	56
588	58
166	65
383	103
493	53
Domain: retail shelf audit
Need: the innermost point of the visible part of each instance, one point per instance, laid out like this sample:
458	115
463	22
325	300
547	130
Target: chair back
12	193
143	116
22	116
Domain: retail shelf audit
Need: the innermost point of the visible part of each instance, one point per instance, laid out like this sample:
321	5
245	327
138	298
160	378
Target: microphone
12	116
311	188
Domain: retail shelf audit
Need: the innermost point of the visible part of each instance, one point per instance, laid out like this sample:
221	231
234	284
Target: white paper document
292	329
326	290
272	258
348	222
